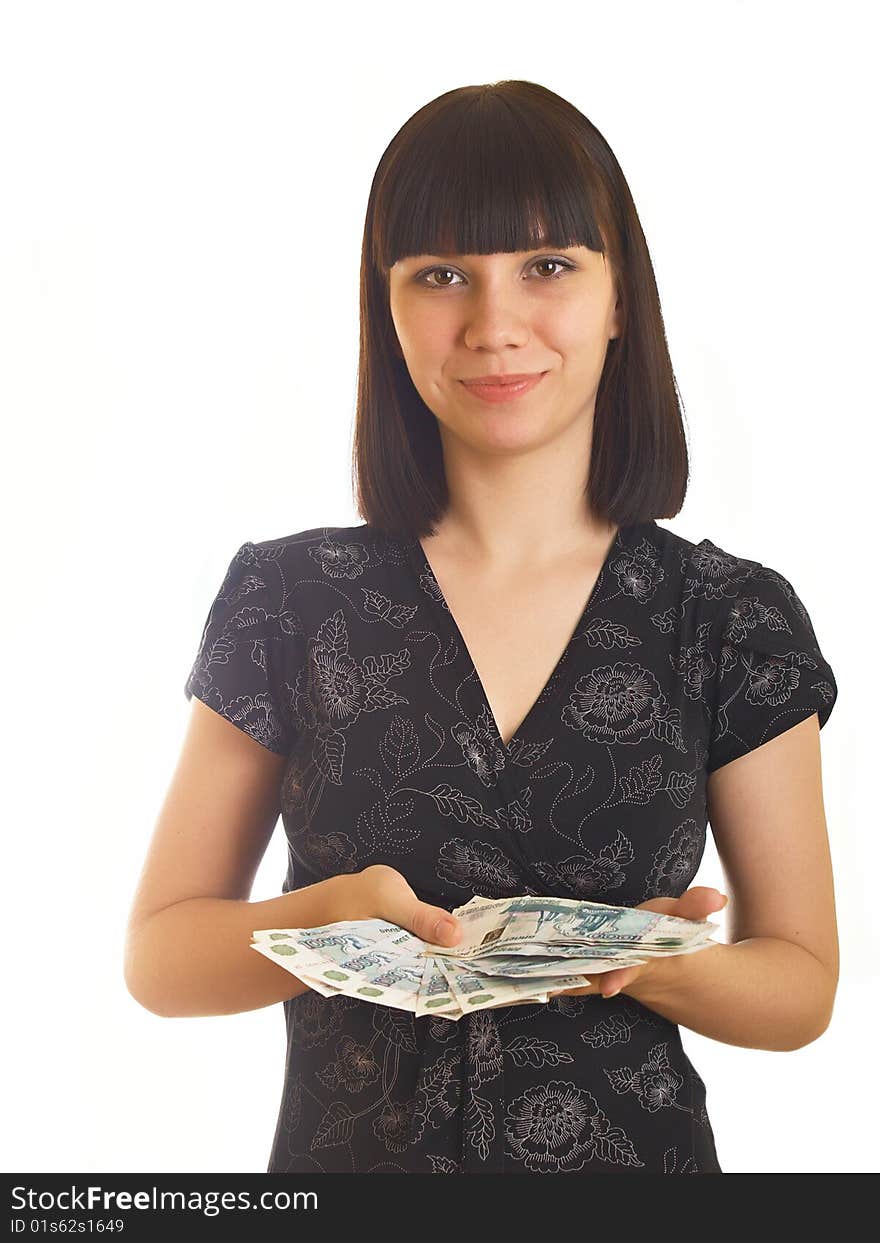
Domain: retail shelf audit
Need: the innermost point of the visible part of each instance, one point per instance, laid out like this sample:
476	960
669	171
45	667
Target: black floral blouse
335	648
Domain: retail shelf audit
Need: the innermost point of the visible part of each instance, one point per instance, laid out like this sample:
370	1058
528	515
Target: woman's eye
559	263
551	276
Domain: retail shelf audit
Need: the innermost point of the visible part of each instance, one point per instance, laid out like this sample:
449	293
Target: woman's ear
616	324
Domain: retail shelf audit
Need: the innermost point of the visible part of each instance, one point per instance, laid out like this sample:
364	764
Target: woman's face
462	316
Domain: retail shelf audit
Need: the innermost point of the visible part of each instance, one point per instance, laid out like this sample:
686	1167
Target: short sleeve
238	670
770	671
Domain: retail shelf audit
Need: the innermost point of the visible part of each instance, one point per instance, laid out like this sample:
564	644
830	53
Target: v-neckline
422	564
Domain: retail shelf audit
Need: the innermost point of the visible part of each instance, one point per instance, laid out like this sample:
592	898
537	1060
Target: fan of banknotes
512	951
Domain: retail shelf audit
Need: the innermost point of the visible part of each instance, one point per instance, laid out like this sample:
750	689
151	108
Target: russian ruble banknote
512	951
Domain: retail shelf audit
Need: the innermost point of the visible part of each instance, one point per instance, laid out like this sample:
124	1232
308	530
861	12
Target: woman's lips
496	391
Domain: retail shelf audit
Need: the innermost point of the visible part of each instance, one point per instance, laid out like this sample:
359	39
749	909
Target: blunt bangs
485	175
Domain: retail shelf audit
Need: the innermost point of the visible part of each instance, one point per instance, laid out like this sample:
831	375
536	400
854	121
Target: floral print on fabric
336	648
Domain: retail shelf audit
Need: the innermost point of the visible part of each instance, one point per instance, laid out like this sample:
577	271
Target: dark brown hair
510	166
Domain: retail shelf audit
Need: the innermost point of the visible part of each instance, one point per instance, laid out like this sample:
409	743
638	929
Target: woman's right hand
381	892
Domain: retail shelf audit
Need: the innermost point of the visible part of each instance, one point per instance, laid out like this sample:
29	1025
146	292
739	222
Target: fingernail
614	992
443	927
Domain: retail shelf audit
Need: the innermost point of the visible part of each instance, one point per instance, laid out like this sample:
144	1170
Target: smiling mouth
518	378
504	388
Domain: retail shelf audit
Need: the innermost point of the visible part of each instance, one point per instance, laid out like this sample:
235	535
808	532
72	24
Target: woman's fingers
391	897
694	903
699	902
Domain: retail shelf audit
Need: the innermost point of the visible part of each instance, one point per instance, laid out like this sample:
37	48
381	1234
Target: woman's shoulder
707	561
703	576
727	587
330	550
312	535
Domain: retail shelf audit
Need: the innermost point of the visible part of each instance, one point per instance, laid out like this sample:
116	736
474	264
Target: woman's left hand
697	903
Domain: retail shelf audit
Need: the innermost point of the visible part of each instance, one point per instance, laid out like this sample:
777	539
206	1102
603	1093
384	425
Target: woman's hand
696	903
381	892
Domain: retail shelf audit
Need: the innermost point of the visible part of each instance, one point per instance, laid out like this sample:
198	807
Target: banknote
518	925
513	951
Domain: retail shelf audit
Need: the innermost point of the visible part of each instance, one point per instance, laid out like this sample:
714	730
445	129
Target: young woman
509	679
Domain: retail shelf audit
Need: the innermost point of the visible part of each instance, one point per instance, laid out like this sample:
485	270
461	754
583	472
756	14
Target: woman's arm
774	986
194	958
761	993
187	947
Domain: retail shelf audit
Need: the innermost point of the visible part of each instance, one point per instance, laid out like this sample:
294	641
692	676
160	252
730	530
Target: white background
183	191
